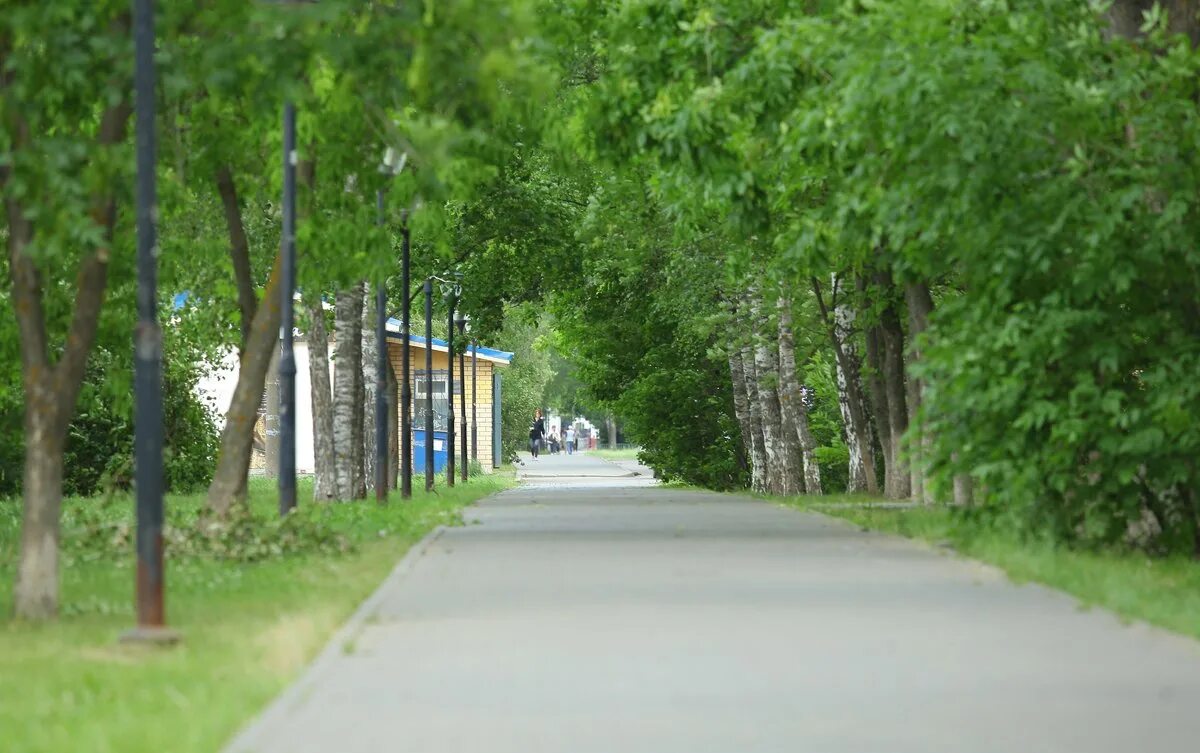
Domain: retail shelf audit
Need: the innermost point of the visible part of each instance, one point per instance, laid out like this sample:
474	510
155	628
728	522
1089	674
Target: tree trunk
237	438
898	484
36	594
792	407
1127	17
370	359
782	465
840	323
920	306
758	453
611	427
964	490
239	256
51	390
741	409
347	373
325	488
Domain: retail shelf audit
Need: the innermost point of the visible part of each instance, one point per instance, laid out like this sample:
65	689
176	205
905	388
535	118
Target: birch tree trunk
757	446
794	411
741	409
347	373
850	392
920	306
325	488
370	356
782	470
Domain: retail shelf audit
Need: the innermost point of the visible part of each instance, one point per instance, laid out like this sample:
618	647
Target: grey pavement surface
591	614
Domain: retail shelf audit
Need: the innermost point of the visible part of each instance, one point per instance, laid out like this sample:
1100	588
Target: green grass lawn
627	453
248	628
1160	591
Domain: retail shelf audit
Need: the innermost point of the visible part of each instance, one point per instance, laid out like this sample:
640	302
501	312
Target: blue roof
490	353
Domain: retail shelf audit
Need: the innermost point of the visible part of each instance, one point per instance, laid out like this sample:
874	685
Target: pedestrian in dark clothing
536	432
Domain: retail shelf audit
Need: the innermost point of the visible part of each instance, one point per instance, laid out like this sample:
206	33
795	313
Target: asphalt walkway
593	613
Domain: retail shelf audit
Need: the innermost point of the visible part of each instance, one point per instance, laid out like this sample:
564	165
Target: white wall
218	387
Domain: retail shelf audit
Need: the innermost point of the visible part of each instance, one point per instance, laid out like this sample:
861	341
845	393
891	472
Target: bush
834	463
99	452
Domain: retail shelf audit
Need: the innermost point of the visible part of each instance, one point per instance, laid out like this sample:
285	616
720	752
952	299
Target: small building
480	383
217	386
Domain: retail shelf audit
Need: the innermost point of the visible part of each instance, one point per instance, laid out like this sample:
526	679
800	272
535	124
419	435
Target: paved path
600	615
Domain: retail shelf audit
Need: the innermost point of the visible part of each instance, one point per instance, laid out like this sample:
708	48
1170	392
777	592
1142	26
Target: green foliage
99	451
524	382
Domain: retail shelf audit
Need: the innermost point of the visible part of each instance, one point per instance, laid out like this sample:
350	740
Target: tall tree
347	392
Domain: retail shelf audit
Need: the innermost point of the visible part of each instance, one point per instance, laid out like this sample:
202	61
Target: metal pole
450	391
462	380
428	385
287	358
148	417
406	459
381	362
474	395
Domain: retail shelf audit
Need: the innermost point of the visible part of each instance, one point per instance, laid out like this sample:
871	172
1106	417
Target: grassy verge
248	626
628	453
1160	591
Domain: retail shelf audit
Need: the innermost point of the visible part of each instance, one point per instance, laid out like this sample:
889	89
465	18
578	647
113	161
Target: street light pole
287	357
148	416
461	321
428	385
474	396
381	361
450	389
406	460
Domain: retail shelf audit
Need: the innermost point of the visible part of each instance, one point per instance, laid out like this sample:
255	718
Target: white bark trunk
325	487
347	375
781	474
755	443
795	412
858	443
370	354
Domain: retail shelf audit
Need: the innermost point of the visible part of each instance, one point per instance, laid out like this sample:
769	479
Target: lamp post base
145	635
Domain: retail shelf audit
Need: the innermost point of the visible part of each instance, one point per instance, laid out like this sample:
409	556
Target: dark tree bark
325	488
237	438
897	482
1127	17
920	305
51	389
239	256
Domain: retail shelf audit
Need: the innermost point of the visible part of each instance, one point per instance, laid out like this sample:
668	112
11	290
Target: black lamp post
148	411
461	320
451	299
474	401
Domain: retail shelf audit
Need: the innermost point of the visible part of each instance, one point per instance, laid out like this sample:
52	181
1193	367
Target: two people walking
537	435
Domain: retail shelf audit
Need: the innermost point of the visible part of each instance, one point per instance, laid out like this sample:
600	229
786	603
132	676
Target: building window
441	405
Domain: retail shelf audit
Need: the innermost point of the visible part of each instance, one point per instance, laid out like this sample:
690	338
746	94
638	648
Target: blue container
439	451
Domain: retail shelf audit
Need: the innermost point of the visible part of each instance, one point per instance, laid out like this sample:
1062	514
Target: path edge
248	736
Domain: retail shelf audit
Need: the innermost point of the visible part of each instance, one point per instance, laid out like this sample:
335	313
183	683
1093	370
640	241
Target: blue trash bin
439	451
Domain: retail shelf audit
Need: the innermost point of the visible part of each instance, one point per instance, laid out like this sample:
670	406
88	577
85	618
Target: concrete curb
248	737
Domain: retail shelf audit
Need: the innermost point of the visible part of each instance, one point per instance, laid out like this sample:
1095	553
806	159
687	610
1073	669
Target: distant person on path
536	432
569	439
553	440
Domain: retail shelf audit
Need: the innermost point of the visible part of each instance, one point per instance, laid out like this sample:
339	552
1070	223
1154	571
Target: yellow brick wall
484	394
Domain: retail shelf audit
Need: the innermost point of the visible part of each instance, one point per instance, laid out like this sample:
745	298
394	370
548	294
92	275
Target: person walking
536	431
569	439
